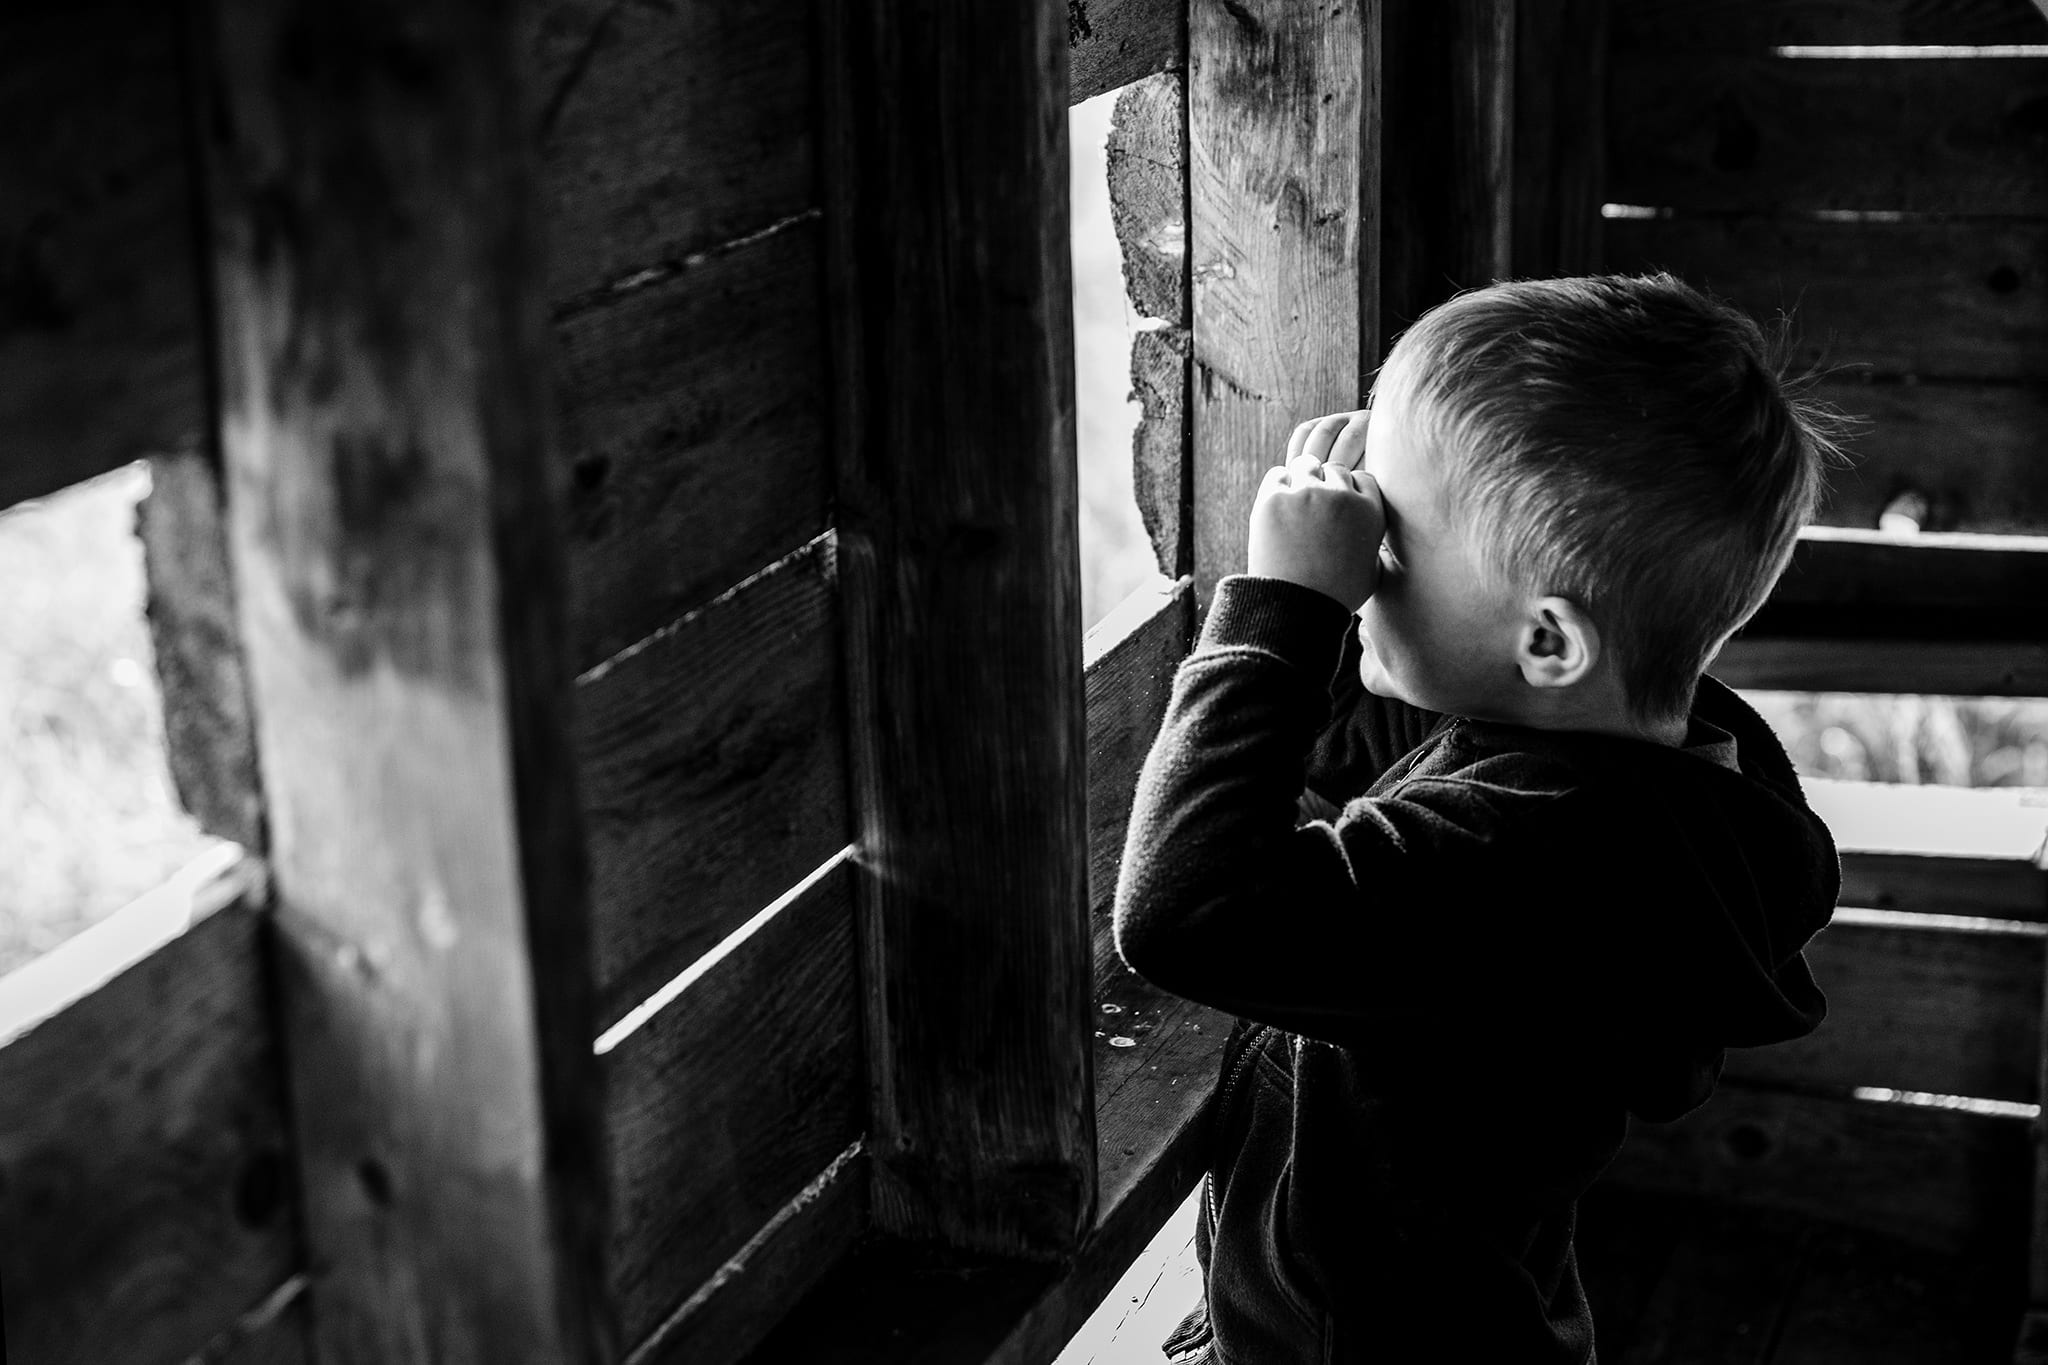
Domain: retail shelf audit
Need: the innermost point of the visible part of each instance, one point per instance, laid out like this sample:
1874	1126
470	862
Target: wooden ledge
1939	850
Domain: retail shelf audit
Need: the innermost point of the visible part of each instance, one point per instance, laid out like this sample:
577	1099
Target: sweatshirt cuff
1300	625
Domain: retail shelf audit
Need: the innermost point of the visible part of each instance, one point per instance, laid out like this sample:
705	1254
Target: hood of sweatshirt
1718	878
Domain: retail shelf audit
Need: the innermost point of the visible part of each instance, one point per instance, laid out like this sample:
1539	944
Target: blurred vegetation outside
85	796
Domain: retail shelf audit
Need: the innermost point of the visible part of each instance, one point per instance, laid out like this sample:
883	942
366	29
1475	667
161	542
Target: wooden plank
146	1191
675	400
398	576
712	766
1948	1180
209	737
1148	190
1729	1277
1113	43
722	1109
1284	234
1934	667
667	132
1131	658
1844	584
99	337
1560	136
1962	298
1760	134
1938	850
1863	1300
1944	1008
1969	449
950	303
1447	98
1759	25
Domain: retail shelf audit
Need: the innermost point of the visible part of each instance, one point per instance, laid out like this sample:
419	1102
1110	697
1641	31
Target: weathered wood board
1754	26
1559	144
1844	584
1949	1010
146	1187
712	767
1761	134
724	1106
1284	239
1944	1179
692	448
1970	449
1132	656
398	572
1447	97
950	300
99	296
1937	298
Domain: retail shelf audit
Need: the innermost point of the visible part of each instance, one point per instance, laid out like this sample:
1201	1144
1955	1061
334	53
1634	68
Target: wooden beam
1759	25
1844	584
1284	239
950	300
385	417
1448	101
146	1185
1560	136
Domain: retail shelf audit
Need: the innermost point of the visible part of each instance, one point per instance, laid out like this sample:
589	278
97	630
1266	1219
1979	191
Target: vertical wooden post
1560	142
384	419
1284	234
2032	1345
950	296
1448	102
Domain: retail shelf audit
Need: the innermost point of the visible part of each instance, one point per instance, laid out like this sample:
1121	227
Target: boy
1568	871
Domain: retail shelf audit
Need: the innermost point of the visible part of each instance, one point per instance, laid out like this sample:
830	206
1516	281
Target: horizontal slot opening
654	1004
1921	1099
1916	919
1906	51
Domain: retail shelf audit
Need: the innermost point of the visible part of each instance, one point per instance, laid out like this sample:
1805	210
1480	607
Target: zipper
1244	1061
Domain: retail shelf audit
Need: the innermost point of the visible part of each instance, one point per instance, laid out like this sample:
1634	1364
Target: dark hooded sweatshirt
1453	998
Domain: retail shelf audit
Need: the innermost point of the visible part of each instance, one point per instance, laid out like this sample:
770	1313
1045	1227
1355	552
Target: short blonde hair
1623	441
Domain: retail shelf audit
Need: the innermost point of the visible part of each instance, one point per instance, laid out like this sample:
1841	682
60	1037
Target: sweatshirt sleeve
1221	899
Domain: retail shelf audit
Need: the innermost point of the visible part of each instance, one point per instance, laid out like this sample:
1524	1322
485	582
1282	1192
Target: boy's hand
1319	524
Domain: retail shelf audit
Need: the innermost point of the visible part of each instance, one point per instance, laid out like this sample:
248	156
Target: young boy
1569	870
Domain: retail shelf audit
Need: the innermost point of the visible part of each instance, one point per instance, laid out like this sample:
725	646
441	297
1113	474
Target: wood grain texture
951	315
667	132
1148	198
1935	667
1935	298
692	447
777	1269
1559	150
1943	1010
209	737
713	772
1131	658
1759	25
1284	234
1845	584
725	1105
385	413
99	336
1759	134
1112	43
1447	110
1947	1180
145	1182
1970	449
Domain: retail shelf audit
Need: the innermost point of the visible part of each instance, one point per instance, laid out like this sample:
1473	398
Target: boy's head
1604	465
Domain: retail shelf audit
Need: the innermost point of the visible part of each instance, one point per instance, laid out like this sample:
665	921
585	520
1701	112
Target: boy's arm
1222	900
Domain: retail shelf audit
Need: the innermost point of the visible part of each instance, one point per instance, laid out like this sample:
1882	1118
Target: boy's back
1522	930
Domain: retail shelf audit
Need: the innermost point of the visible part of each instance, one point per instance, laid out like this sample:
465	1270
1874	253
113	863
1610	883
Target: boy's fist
1319	525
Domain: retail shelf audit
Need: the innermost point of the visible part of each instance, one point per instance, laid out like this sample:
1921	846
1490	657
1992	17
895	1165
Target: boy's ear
1559	644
